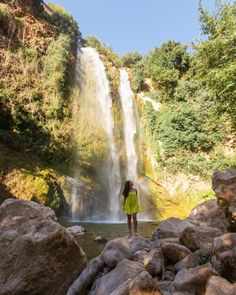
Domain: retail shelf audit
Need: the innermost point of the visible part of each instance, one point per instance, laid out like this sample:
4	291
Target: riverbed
108	231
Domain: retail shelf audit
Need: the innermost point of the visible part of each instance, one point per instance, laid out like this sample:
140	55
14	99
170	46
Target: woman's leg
135	222
129	224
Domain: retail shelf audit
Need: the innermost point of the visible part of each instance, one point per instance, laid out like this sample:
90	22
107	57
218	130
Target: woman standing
131	205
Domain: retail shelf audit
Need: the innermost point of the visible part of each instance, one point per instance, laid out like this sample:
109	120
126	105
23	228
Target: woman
131	205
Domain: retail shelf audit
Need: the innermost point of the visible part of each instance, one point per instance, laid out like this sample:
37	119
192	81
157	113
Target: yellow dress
131	204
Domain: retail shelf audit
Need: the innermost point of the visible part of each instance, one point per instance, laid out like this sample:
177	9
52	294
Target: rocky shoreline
183	257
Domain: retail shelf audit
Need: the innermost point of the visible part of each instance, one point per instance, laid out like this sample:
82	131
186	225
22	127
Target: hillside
38	47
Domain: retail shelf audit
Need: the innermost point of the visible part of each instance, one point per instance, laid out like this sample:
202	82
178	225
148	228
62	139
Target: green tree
215	58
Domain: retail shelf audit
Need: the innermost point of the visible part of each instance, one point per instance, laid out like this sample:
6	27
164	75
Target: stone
124	271
219	286
38	255
143	284
137	243
224	185
194	279
170	272
76	230
154	262
174	252
115	251
224	243
225	264
199	237
100	240
194	259
85	280
170	228
211	215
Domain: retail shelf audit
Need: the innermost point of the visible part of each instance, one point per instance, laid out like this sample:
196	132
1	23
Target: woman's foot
129	235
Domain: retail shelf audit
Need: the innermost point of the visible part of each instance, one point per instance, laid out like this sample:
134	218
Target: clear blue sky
137	25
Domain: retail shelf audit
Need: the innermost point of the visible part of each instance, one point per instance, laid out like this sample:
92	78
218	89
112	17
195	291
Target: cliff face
37	53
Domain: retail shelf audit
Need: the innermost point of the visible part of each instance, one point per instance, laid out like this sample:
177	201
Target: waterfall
130	136
130	128
97	91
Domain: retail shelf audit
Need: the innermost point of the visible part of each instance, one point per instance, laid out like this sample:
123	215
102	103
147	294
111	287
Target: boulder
224	185
174	252
124	271
225	264
218	286
143	284
115	251
100	240
170	228
137	243
38	255
199	237
224	243
165	287
193	279
211	215
76	230
199	257
85	280
154	262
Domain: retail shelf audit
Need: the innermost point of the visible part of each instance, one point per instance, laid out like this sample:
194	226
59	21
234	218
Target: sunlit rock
154	262
219	286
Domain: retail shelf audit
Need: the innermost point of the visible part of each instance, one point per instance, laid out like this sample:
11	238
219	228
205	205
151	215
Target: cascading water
130	132
92	68
130	128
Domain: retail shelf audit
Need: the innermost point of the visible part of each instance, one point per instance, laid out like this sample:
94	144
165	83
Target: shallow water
107	231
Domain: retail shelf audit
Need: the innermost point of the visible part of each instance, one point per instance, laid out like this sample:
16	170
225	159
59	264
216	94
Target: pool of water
107	231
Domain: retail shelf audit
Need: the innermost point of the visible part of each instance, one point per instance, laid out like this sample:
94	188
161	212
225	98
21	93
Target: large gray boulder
124	271
199	237
115	251
211	215
38	255
193	279
199	257
170	228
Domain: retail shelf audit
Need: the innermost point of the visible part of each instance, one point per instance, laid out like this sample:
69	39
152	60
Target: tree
215	57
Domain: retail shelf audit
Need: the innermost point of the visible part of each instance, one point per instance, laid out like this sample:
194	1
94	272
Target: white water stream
92	66
130	128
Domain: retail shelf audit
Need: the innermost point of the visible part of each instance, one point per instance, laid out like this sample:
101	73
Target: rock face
224	185
38	256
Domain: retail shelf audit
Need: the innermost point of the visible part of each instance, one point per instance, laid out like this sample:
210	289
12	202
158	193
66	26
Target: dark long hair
127	188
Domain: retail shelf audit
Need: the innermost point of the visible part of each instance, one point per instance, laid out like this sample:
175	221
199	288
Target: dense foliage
194	130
